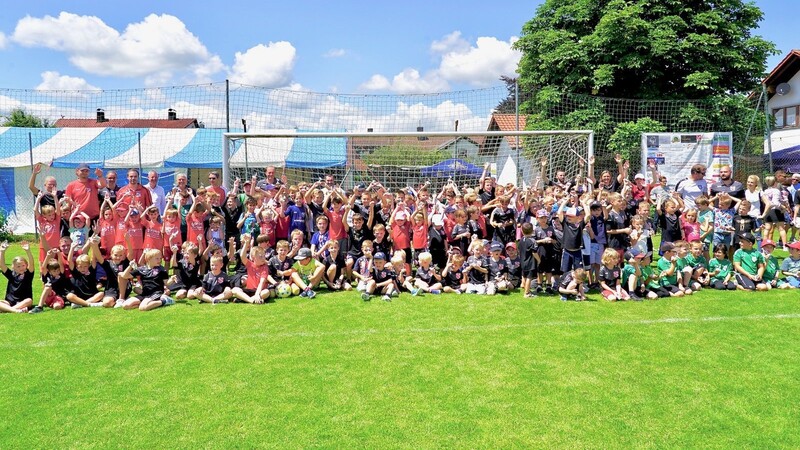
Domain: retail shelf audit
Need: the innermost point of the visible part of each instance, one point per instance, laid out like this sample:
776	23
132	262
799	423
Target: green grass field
716	370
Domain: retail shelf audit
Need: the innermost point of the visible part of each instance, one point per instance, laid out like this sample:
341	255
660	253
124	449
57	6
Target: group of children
259	242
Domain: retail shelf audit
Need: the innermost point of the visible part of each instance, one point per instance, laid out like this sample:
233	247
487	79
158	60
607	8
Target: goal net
403	159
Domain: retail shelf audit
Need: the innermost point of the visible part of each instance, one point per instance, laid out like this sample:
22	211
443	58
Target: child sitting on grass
668	270
19	292
154	279
255	289
216	284
427	280
790	267
308	272
56	284
383	279
637	275
610	277
84	276
772	275
570	286
748	264
721	270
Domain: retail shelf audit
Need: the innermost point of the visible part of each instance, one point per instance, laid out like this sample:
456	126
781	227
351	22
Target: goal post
400	159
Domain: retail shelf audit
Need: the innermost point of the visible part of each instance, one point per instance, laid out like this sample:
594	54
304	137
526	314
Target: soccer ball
283	290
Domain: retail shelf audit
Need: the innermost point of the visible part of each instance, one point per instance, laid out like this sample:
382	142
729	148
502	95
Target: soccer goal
401	159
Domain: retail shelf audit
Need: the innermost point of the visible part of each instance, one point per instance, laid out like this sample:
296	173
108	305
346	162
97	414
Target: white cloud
53	81
450	43
483	64
3	40
268	65
409	81
335	53
158	47
480	65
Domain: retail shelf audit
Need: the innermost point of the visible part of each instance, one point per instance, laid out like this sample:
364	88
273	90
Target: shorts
53	300
114	292
361	286
723	238
236	279
571	260
671	289
596	253
152	297
529	274
775	216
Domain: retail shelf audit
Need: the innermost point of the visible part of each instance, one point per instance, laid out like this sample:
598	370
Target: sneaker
23	311
635	297
217	301
167	301
304	293
457	291
76	306
435	291
540	290
530	295
564	298
395	294
365	296
96	305
311	294
386	298
549	290
36	310
118	303
414	292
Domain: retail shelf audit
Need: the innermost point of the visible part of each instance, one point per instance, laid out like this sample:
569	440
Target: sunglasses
212	178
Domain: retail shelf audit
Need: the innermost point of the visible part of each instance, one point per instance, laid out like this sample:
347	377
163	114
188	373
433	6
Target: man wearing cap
134	193
84	190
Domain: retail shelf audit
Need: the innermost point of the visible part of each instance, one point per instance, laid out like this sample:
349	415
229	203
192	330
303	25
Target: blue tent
452	167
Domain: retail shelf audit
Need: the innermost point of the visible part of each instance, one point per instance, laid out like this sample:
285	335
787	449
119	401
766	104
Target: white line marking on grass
375	331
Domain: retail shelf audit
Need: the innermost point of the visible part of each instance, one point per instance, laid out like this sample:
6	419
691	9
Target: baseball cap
303	253
749	237
380	255
437	220
83	166
496	247
766	242
269	187
401	215
795	245
134	212
541	213
511	245
633	253
638	177
596	205
667	247
449	210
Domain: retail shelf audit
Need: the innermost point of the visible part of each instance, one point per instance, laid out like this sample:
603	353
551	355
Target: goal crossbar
229	137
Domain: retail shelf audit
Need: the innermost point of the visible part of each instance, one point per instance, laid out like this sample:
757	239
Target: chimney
369	130
172	114
101	115
421	138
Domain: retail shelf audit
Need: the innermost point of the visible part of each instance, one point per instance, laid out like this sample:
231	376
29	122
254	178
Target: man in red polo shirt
139	195
83	190
215	187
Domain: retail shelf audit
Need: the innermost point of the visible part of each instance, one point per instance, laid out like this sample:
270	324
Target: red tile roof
505	122
127	123
783	72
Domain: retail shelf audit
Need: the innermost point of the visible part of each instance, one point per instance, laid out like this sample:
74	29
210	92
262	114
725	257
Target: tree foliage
20	118
626	139
644	49
620	67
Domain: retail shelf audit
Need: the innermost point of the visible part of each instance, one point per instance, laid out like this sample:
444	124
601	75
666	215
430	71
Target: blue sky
344	46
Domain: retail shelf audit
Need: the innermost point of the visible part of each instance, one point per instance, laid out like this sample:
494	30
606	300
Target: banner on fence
676	153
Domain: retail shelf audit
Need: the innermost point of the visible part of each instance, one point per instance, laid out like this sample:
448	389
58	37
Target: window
786	117
791	115
778	118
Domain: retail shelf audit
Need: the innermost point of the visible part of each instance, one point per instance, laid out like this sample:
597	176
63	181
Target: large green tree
689	63
20	118
644	49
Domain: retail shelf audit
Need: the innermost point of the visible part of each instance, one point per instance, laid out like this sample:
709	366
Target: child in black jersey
154	279
216	284
186	266
427	280
84	276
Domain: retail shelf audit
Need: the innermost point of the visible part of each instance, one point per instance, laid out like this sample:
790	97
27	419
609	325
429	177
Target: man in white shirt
157	194
693	187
